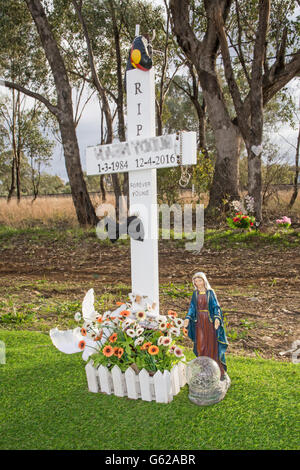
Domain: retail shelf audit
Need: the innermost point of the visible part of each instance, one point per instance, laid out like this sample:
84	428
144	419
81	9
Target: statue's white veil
206	283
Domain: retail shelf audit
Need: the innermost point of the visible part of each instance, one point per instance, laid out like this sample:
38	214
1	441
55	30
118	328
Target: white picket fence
160	387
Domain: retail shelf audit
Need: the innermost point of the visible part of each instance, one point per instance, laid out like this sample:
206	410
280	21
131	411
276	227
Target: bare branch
95	76
229	74
52	108
83	107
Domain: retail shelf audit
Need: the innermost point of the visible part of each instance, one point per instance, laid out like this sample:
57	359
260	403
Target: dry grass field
59	211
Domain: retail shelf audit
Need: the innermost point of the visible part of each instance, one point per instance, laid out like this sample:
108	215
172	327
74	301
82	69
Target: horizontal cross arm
144	153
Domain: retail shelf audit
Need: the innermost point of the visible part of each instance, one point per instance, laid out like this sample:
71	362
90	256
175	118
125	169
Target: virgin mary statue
205	324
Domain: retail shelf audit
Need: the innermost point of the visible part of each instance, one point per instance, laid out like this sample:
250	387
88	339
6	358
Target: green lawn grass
45	404
217	239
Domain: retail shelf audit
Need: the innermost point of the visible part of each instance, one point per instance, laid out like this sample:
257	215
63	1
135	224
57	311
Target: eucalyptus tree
41	73
95	37
256	40
25	140
108	29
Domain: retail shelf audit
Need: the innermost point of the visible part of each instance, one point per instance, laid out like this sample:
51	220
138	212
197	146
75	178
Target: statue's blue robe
214	312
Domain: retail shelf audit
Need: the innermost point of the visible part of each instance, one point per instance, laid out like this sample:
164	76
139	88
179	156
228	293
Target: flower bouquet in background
242	217
285	222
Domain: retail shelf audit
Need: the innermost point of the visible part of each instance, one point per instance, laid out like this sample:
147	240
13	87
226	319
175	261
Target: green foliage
23	314
220	239
25	144
203	173
177	291
22	58
168	185
179	113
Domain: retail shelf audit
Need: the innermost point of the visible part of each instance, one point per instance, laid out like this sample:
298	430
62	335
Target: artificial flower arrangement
125	337
137	342
242	217
285	222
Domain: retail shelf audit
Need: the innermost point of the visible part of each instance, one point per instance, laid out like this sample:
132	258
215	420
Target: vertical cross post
142	184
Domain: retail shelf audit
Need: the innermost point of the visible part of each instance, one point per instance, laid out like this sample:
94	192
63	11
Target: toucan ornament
140	54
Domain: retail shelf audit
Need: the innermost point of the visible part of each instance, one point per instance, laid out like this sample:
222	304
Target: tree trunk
102	188
255	181
84	208
12	185
254	147
120	105
200	110
225	185
18	177
202	54
118	193
295	192
226	175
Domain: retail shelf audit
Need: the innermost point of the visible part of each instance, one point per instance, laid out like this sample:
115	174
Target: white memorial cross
141	156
